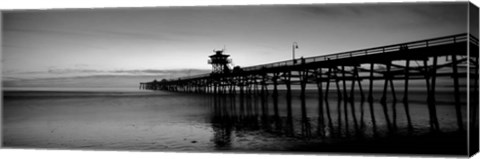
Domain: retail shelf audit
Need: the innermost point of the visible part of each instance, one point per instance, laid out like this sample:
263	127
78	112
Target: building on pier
220	62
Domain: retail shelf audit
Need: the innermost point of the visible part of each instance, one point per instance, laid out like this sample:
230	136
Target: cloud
136	35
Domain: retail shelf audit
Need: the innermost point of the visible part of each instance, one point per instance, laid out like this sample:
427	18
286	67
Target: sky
42	44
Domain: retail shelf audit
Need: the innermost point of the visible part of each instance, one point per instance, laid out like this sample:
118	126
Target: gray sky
50	43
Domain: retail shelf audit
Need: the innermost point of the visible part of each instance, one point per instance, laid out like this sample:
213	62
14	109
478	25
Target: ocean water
175	121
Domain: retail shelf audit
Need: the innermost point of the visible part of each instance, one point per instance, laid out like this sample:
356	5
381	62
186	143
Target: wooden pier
453	57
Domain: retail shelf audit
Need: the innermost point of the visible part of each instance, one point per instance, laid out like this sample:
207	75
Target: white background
53	154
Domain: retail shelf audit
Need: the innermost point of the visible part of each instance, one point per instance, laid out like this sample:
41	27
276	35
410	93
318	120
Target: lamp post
294	46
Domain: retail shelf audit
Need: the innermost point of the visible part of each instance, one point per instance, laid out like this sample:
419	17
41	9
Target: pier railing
452	39
370	51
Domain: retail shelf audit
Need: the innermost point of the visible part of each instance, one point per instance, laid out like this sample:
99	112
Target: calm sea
172	121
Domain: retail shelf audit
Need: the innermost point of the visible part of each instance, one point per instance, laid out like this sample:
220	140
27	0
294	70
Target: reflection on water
167	121
327	121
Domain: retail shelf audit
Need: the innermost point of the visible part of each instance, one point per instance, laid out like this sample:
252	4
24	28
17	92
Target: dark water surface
168	121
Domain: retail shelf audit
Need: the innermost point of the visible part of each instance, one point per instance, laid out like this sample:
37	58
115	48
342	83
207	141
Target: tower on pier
220	62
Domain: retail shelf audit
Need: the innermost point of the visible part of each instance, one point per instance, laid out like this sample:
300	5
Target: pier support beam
305	122
407	74
275	83
321	123
456	86
430	97
328	83
386	75
432	94
370	91
345	98
289	102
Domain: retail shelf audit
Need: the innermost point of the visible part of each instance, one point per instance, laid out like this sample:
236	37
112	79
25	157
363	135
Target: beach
172	121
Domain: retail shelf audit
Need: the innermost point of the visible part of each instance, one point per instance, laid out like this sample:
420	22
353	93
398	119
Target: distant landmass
72	79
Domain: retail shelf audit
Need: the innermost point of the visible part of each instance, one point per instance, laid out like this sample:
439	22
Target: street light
294	46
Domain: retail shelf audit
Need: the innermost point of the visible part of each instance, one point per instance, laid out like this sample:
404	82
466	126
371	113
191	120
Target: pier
350	74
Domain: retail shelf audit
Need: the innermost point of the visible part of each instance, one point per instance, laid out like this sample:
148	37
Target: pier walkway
453	57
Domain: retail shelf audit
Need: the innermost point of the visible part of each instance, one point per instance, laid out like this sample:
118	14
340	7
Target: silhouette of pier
454	58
